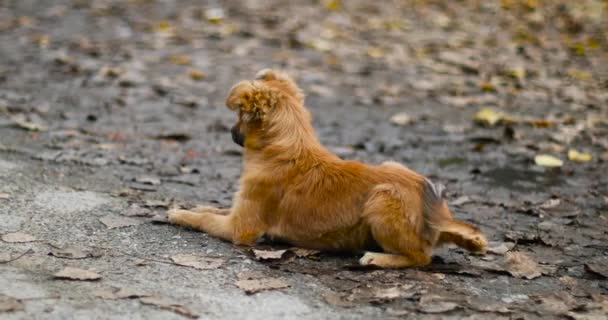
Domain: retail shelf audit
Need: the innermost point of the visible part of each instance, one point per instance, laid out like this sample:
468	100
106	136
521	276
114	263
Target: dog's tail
438	218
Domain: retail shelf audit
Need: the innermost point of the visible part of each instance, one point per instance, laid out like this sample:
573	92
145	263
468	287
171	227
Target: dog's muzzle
237	137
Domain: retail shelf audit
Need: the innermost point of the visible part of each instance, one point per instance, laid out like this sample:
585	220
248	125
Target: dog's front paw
368	259
176	216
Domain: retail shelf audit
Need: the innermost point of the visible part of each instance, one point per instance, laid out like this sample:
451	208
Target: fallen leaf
156	204
435	304
518	73
150	180
29	125
337	299
579	74
375	52
113	222
401	119
4	196
74	253
265	255
303	253
70	273
488	116
500	248
196	74
18	237
214	15
332	5
119	293
135	210
179	59
546	160
169	305
597	269
256	285
557	303
461	200
394	292
574	155
10	304
520	265
197	262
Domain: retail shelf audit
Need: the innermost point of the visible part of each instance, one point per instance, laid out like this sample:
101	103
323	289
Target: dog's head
269	101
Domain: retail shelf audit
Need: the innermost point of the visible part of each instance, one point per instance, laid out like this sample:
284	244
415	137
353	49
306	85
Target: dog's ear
252	99
283	80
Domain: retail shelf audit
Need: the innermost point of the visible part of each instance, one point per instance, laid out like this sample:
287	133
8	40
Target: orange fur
294	189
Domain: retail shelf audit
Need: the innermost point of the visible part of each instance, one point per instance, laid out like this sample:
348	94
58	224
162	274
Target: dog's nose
237	137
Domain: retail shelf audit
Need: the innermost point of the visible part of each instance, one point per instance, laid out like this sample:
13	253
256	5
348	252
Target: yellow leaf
518	73
488	116
546	160
487	86
332	5
579	74
196	74
163	26
179	59
574	155
214	15
320	44
375	52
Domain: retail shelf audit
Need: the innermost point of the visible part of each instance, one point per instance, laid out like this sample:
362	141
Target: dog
293	189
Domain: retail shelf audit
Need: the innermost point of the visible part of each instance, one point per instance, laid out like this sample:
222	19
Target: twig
19	256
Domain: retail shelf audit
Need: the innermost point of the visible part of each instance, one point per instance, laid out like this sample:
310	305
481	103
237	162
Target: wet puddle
510	178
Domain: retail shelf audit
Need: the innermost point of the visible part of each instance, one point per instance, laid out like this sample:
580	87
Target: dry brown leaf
169	305
435	304
265	255
196	74
135	210
119	293
303	253
337	299
113	222
256	285
18	237
394	292
74	253
197	262
520	265
179	59
71	273
10	304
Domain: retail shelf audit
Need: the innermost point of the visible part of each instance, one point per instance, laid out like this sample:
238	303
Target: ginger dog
294	189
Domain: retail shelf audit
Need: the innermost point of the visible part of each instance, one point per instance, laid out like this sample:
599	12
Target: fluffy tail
438	218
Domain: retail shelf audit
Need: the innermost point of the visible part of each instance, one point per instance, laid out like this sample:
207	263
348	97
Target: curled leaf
546	160
488	116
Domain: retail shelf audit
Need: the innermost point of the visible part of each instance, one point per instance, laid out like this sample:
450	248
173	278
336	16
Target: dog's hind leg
396	231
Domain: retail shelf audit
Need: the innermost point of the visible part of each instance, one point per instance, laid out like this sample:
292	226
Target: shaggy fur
294	189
